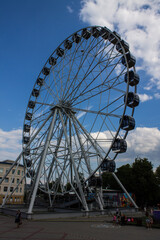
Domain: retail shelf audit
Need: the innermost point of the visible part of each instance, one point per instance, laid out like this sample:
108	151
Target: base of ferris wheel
80	202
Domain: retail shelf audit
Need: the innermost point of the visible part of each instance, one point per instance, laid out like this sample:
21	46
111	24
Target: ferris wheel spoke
82	59
80	66
55	84
97	112
89	137
72	61
93	79
50	91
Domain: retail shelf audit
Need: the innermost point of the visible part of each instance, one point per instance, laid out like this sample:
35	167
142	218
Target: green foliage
139	179
157	174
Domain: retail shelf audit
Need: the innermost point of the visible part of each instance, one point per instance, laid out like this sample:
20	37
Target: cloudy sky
30	32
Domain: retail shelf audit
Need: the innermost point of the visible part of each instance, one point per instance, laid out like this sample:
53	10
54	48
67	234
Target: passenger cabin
28	163
52	61
60	52
67	44
40	81
28	116
86	33
95	182
76	38
30	173
131	60
26	151
95	32
113	37
26	139
132	100
108	165
133	78
128	123
105	32
26	128
35	92
46	71
122	45
119	146
31	104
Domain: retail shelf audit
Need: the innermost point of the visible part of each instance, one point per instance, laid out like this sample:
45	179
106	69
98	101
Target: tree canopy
138	178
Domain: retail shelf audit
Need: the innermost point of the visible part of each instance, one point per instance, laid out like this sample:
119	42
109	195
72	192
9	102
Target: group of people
119	219
149	220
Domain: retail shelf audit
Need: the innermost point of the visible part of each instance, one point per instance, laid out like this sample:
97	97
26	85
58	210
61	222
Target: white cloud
10	144
157	95
137	22
142	142
70	10
144	97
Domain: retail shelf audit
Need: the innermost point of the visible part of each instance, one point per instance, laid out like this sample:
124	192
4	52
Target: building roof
10	162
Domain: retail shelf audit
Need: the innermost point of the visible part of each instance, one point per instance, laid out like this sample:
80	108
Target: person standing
18	218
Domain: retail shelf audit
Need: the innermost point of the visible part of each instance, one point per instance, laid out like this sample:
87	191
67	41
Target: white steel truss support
42	162
100	202
74	166
99	153
121	185
18	159
67	179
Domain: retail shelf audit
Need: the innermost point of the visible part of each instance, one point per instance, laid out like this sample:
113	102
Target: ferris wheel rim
127	89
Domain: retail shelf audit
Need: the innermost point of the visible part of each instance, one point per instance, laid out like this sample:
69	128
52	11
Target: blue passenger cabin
40	81
108	165
119	146
26	139
26	151
128	123
26	128
31	104
60	52
105	32
113	37
95	32
46	71
133	78
86	33
131	60
28	162
35	92
52	61
132	100
30	173
122	45
76	38
28	116
67	44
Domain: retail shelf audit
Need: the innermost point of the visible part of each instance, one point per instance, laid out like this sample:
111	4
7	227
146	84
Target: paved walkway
72	229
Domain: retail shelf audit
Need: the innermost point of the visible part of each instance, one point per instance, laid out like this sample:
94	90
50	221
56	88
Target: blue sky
32	30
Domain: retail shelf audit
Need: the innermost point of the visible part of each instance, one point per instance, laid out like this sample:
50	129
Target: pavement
83	228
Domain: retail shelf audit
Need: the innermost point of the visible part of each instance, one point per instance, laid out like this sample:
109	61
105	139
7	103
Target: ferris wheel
79	113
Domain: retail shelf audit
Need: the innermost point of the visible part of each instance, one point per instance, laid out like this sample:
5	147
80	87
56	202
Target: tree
138	179
157	174
124	173
145	184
